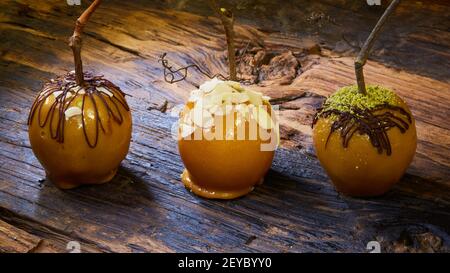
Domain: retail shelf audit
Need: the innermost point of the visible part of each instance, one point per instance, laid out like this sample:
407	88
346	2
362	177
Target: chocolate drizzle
69	91
374	122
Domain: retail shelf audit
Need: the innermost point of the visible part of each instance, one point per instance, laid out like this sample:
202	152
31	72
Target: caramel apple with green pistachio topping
365	136
364	142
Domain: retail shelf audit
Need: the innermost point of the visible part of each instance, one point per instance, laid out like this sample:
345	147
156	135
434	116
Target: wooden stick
365	50
75	40
227	19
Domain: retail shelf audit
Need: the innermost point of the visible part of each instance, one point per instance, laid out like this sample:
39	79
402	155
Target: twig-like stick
365	50
227	19
75	40
170	73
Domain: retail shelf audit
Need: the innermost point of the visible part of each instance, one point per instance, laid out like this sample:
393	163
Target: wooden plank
50	239
15	240
146	208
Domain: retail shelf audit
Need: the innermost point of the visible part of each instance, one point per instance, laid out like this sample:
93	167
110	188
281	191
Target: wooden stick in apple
75	40
365	50
227	18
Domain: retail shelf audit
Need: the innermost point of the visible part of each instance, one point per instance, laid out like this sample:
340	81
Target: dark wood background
297	52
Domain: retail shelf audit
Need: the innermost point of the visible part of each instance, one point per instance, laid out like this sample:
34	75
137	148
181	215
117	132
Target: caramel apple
80	134
365	136
80	124
364	142
227	138
227	133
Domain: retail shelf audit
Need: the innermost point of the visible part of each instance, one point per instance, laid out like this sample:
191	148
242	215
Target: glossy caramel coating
359	169
223	169
79	158
227	168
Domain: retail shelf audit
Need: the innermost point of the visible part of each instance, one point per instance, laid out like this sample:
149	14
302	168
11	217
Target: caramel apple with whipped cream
227	138
80	124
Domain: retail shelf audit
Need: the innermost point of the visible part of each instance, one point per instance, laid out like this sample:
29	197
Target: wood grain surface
16	240
297	52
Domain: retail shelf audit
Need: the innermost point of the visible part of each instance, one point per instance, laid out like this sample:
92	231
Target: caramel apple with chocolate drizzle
80	124
365	136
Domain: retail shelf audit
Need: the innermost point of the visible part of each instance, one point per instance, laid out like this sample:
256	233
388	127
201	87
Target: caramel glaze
368	122
191	185
62	102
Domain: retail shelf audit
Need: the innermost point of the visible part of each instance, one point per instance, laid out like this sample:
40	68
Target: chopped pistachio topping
348	98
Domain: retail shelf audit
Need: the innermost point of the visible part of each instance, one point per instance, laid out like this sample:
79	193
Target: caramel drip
368	122
65	83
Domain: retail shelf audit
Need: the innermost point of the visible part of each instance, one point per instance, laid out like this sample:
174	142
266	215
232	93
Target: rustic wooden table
297	52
